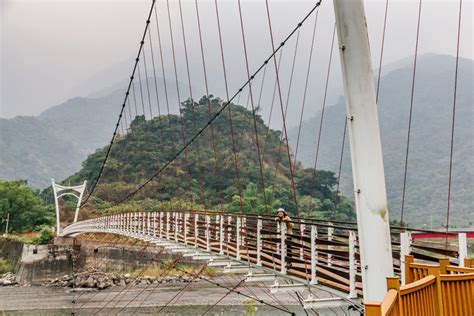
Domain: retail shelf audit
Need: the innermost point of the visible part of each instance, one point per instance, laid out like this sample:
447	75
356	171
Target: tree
26	208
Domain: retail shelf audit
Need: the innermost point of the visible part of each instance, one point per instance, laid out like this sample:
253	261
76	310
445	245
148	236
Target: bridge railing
433	290
316	251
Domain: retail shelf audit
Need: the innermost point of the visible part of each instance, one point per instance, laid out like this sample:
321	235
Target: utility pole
366	150
6	226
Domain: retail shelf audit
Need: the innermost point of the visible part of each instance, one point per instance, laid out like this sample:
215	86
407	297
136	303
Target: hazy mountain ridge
430	139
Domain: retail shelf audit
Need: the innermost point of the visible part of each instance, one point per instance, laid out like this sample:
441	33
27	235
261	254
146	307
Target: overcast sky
55	50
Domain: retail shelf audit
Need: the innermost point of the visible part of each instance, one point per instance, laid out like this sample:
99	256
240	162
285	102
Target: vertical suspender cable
410	115
453	123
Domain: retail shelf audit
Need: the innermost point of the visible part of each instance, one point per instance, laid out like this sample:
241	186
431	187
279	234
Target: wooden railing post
352	265
259	241
372	309
462	248
468	263
314	254
408	272
438	300
443	263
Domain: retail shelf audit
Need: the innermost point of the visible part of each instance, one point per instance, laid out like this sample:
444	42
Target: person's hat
281	210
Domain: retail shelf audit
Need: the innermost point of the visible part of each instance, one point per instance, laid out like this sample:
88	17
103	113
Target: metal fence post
259	241
352	265
405	250
314	254
462	248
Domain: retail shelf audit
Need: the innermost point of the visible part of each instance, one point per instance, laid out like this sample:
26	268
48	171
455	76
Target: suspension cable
411	113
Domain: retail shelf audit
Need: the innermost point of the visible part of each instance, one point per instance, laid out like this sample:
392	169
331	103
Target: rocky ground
102	280
8	279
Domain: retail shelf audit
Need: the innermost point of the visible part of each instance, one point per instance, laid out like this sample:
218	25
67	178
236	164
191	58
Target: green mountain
426	196
205	172
53	144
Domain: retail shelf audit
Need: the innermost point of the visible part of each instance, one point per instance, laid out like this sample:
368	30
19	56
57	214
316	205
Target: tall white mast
366	150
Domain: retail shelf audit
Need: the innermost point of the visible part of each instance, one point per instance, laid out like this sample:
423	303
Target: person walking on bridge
283	218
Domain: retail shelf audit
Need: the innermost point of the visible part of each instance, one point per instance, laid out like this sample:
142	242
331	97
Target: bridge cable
198	154
206	84
411	114
229	110
257	144
239	293
147	83
186	160
453	122
306	85
165	85
101	170
324	101
202	129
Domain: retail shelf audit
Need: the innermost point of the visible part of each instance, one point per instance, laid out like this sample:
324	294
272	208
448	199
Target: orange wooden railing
432	290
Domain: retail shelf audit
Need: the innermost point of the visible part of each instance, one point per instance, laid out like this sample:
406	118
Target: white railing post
330	247
160	232
229	234
148	224
352	265
462	250
196	232
221	234
237	237
302	228
314	254
154	224
283	247
405	250
176	225
168	225
278	251
186	228
208	232
259	241
142	221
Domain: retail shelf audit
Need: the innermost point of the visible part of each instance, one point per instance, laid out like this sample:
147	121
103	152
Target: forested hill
207	168
428	166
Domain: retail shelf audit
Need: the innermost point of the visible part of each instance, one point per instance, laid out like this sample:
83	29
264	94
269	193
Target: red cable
253	108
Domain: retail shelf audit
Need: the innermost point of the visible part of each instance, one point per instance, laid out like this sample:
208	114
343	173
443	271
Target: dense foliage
205	173
27	210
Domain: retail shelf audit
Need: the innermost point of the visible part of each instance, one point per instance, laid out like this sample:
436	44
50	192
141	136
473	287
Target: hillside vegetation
205	172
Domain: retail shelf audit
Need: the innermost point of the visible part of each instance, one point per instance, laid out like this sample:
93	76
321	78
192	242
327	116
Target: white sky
50	50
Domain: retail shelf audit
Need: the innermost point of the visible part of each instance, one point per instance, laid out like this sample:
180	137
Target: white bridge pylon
60	191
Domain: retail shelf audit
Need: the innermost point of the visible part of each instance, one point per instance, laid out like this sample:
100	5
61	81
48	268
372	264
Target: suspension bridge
358	264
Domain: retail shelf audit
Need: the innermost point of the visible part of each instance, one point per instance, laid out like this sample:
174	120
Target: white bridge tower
59	191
